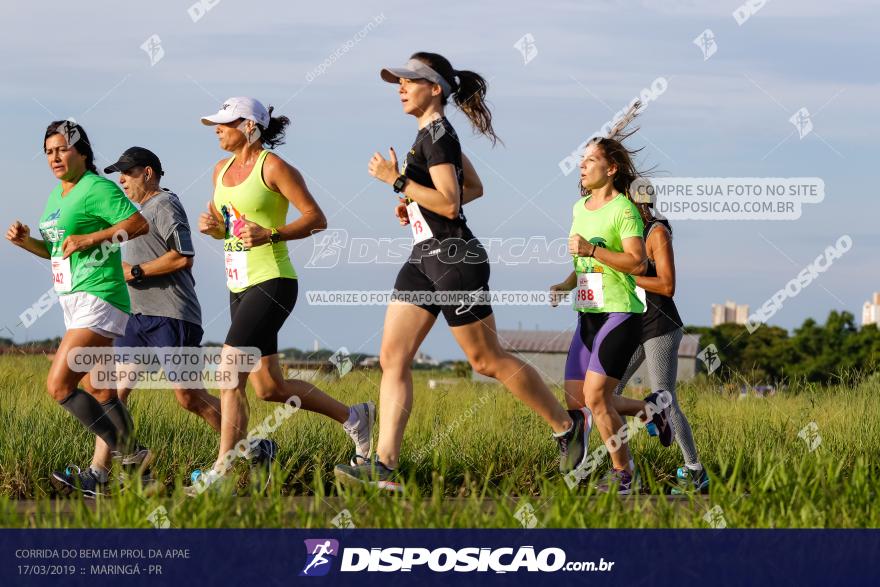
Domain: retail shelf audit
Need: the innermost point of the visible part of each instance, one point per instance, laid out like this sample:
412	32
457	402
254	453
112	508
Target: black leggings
259	312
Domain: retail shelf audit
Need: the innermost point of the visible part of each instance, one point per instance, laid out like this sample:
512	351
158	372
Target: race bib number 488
589	293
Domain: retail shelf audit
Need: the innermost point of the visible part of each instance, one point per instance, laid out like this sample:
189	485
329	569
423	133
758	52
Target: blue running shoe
690	481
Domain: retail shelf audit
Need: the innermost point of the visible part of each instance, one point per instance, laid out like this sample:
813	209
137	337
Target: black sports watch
399	183
137	273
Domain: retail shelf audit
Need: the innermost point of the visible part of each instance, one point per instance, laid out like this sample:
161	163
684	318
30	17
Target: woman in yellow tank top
253	190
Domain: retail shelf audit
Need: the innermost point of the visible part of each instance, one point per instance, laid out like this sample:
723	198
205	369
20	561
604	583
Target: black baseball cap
136	157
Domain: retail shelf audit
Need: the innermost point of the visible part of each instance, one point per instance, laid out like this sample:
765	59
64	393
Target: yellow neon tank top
252	200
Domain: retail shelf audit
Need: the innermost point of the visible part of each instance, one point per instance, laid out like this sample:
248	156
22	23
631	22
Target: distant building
308	370
729	312
871	310
369	362
546	351
424	360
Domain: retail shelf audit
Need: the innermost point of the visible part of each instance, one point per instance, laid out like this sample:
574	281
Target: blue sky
727	116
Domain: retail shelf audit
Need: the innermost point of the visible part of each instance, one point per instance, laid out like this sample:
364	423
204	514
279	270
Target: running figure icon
319	555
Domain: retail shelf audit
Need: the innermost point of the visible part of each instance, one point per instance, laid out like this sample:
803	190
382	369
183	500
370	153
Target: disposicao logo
320	553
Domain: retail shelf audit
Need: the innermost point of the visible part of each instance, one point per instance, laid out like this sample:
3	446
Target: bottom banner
448	557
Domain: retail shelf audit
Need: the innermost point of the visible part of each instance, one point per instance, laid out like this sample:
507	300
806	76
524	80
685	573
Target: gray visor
415	69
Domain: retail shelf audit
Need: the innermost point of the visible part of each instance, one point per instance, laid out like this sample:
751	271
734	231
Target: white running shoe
361	432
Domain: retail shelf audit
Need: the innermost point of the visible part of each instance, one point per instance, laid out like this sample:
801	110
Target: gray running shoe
369	473
137	461
361	432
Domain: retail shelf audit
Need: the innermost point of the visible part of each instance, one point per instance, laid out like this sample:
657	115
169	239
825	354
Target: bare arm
568	284
556	291
473	187
20	235
170	262
631	260
444	198
132	227
211	222
660	246
285	179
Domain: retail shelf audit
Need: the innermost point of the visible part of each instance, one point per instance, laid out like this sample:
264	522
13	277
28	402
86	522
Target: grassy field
472	457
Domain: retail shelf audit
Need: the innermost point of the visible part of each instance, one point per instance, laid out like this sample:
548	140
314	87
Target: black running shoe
267	450
261	465
369	473
74	479
573	444
660	418
690	481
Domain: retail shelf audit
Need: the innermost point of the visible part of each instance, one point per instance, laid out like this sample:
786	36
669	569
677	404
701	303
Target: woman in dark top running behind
438	180
661	336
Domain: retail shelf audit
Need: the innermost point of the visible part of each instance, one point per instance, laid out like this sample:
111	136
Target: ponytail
468	91
273	134
470	97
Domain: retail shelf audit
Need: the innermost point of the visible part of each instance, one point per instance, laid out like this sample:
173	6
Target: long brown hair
617	153
468	91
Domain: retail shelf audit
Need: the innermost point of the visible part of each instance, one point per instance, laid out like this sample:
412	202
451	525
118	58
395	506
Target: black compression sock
118	415
89	412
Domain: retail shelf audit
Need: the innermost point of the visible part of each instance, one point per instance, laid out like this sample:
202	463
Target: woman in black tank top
661	315
437	180
661	336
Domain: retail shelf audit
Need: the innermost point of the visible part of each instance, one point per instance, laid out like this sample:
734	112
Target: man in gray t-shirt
165	311
158	265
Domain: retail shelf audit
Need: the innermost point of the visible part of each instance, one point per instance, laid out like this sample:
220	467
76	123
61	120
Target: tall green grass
472	457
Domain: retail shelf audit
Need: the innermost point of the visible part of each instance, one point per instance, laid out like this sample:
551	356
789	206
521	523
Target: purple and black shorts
603	343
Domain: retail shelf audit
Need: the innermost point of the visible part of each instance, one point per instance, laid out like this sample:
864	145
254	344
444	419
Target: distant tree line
835	352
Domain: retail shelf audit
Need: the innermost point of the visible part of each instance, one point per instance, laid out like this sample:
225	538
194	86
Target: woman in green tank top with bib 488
253	190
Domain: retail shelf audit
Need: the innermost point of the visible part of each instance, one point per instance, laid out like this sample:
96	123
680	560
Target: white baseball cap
240	107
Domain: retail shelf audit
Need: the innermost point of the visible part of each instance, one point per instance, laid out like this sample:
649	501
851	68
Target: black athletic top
435	144
662	315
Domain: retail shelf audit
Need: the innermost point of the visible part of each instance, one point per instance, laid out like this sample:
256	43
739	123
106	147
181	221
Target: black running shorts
435	274
259	312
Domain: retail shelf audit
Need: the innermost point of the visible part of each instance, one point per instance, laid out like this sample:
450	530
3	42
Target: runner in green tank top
253	190
608	248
